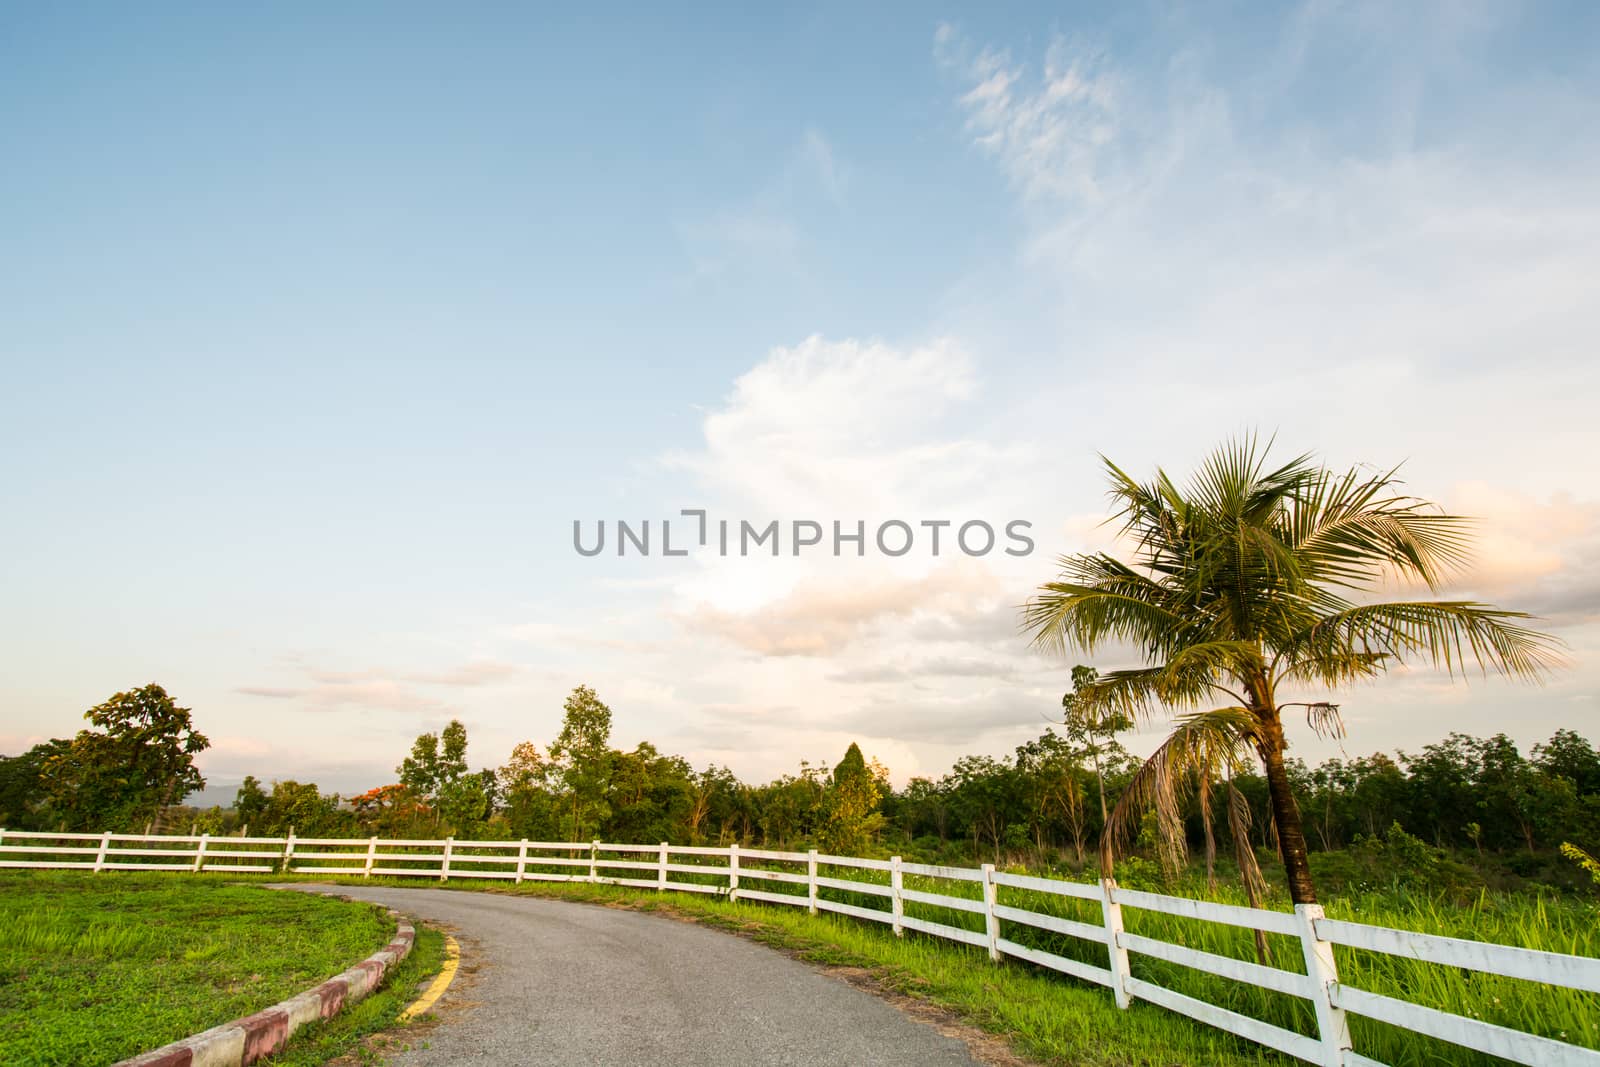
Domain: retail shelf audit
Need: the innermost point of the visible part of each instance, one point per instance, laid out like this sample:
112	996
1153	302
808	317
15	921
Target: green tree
650	796
136	765
436	773
985	799
1050	769
1248	583
582	755
790	808
250	804
1094	729
525	792
304	808
466	801
851	818
1568	755
24	787
431	764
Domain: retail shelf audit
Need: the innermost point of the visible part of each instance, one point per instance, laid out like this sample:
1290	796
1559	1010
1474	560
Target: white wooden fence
731	872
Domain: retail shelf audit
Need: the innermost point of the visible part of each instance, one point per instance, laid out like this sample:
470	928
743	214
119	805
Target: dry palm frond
1255	885
1207	744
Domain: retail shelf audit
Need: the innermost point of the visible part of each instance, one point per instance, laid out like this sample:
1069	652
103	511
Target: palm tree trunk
1285	813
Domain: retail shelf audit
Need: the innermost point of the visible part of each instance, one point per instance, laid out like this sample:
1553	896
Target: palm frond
1323	718
1349	529
1192	676
1449	634
1207	742
1099	599
1255	883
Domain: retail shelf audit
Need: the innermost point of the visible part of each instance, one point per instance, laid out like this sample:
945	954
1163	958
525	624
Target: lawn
96	969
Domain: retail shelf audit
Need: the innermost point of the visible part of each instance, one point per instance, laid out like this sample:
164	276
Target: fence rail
724	872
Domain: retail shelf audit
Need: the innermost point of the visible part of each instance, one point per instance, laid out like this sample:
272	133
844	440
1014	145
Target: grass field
93	970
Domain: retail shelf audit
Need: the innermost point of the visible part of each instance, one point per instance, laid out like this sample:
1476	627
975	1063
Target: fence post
1332	1026
372	849
444	868
1111	912
99	857
288	850
522	859
200	853
991	920
733	871
594	861
896	884
811	881
661	869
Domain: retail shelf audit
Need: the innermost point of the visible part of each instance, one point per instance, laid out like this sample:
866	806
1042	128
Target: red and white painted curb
255	1036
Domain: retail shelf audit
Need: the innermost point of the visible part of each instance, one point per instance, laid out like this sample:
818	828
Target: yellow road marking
441	982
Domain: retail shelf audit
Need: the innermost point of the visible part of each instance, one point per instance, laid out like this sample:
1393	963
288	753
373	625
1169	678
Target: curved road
564	983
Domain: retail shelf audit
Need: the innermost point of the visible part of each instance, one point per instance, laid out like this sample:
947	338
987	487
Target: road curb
253	1037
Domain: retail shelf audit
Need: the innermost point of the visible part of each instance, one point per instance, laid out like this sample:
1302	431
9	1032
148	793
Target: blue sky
321	327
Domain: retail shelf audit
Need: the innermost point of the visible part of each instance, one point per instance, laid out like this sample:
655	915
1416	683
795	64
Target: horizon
325	329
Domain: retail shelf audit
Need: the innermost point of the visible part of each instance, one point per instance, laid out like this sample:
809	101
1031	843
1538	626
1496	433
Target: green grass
352	1030
96	969
1552	923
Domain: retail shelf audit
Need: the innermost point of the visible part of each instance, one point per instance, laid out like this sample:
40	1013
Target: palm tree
1251	582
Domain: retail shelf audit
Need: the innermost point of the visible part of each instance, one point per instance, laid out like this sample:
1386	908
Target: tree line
1045	806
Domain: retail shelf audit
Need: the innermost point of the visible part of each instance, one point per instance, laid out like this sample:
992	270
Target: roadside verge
244	1041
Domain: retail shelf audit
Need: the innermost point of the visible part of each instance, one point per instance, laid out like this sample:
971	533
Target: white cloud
817	154
1540	556
385	690
821	617
1054	136
850	429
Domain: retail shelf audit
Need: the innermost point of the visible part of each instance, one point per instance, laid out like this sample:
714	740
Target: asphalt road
553	982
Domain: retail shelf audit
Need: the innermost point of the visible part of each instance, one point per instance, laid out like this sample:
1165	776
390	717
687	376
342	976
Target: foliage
435	773
1093	727
850	816
1252	581
137	764
581	760
392	811
528	806
24	791
1582	859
